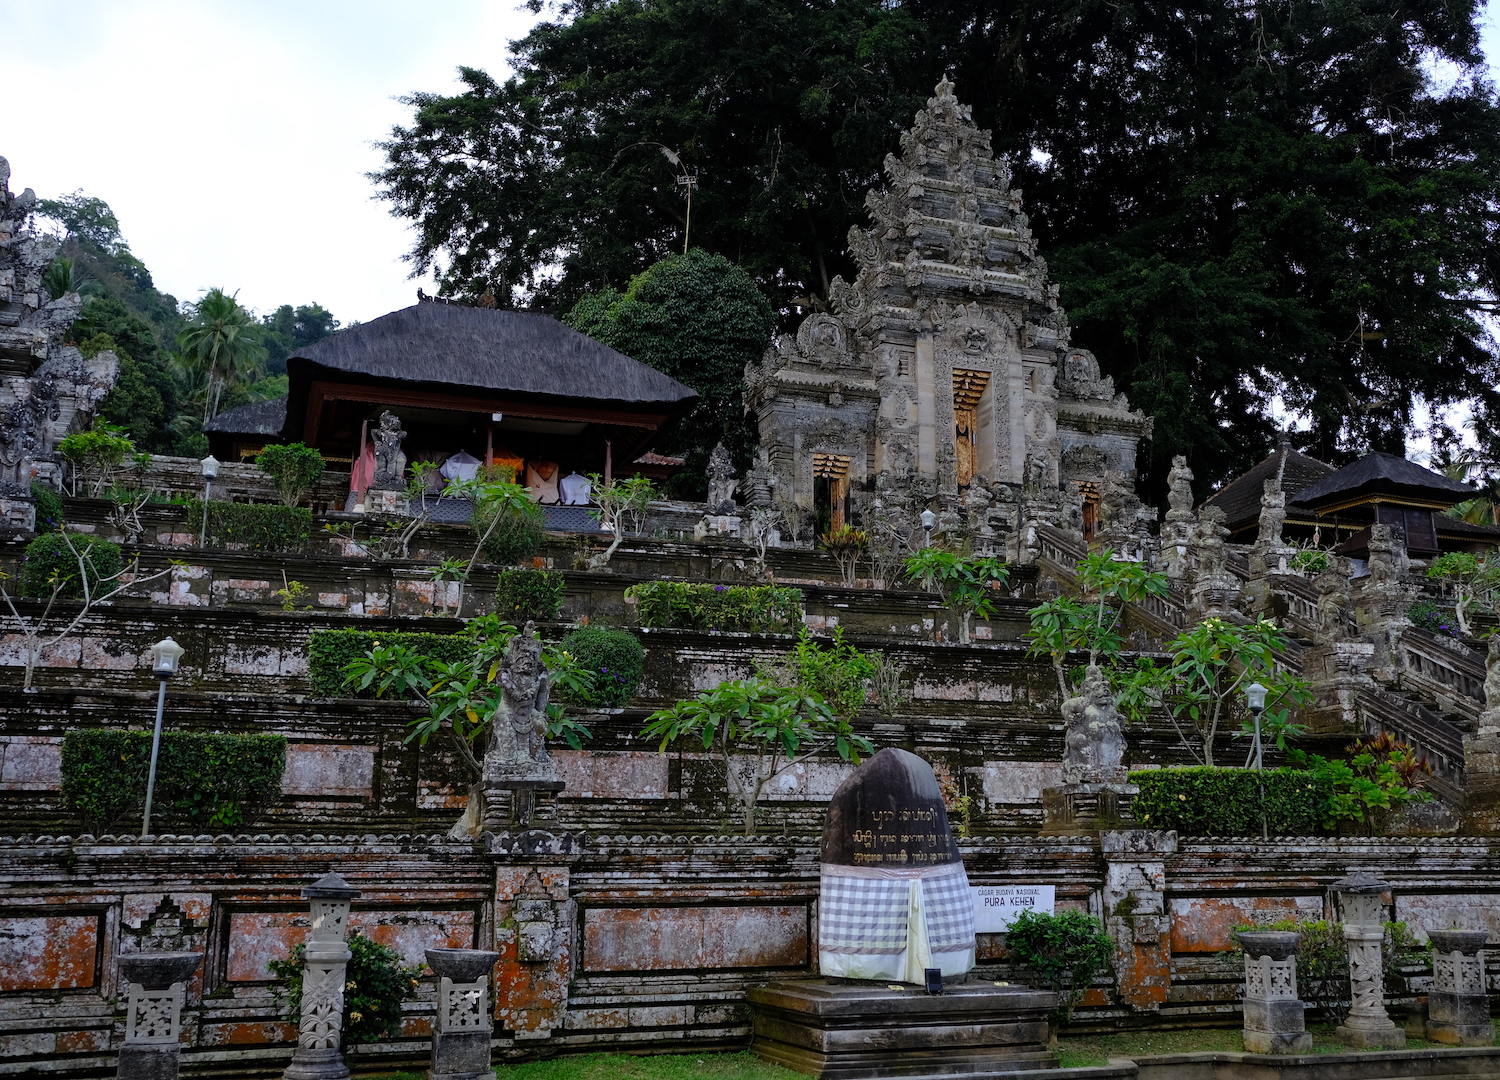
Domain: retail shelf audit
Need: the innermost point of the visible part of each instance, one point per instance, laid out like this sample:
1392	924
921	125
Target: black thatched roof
1378	473
488	349
1240	498
257	418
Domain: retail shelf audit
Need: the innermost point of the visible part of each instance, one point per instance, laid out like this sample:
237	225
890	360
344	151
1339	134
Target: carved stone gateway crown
947	359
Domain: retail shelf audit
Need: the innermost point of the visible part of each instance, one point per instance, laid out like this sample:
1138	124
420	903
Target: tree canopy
1241	200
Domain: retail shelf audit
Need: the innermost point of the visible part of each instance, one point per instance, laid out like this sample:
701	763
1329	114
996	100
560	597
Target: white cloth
894	924
575	489
461	466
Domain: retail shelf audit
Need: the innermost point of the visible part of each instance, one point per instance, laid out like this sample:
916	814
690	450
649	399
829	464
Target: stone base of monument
518	804
850	1030
1080	809
1370	1036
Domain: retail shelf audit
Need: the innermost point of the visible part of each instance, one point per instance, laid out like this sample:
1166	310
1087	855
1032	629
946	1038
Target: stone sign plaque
889	815
996	906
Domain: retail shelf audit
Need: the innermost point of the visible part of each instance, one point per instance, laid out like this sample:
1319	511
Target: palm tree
224	340
63	277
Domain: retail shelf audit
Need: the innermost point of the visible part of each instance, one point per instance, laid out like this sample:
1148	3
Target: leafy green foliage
95	454
1434	618
293	469
1068	950
1474	580
615	658
1202	686
837	672
329	653
254	526
222	341
376	985
774	727
49	508
847	545
145	398
507	522
1382	775
67	565
690	605
968	583
1323	962
64	277
528	593
1310	561
203	778
1231	802
700	319
288	330
1091	621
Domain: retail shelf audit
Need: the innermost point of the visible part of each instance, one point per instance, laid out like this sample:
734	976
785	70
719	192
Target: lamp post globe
210	467
164	656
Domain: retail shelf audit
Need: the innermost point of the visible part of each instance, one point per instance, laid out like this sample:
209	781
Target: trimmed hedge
615	656
689	605
49	508
202	778
254	526
49	557
329	652
1227	802
523	593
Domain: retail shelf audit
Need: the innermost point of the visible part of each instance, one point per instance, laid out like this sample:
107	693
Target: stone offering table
153	1021
846	1030
1458	1007
1274	1016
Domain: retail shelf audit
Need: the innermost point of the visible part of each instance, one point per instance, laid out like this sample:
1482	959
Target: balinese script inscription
907	837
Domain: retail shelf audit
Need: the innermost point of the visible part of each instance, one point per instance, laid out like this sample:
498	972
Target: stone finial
1180	490
390	459
1272	515
1275	1021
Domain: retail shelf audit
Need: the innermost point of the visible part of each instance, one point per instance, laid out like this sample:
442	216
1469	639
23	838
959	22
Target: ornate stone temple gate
945	366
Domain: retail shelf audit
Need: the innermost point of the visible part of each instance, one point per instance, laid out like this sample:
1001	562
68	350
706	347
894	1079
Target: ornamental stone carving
1094	744
1368	1024
1458	1005
1274	1017
390	459
319	1055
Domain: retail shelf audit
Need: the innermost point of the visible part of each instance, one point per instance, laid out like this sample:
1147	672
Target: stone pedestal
512	805
853	1030
465	1023
153	1020
385	501
1338	673
1274	1020
1085	809
1369	1025
1135	914
17	511
319	1054
1458	1008
1481	813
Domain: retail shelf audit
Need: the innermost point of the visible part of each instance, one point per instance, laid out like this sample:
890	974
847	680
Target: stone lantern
1274	1021
1368	1025
153	1020
1458	1008
319	1055
465	1022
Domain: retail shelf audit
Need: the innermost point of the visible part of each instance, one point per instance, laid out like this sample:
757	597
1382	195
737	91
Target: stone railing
1432	737
1443	668
1060	554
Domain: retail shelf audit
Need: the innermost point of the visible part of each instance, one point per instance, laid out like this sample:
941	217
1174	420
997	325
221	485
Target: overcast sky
232	139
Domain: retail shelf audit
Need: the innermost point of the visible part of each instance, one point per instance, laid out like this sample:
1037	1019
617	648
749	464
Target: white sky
232	139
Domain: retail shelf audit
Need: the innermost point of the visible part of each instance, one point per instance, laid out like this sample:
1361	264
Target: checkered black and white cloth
870	915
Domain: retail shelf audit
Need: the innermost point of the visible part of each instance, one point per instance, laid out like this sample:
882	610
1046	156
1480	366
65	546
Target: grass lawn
1083	1050
628	1067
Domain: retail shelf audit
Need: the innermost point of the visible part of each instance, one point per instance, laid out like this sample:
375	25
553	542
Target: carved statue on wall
1272	515
518	735
1180	490
390	459
760	482
721	482
1094	745
1334	606
1208	544
1387	555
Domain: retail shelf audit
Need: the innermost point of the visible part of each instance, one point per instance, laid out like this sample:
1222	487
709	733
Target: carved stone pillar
465	1020
153	1020
319	1055
1135	915
1458	1008
1274	1022
1368	1024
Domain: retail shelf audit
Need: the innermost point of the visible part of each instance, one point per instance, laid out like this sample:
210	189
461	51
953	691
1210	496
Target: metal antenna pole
161	701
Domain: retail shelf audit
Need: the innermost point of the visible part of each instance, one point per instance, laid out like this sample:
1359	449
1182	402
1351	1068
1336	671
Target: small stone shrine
1275	1018
895	908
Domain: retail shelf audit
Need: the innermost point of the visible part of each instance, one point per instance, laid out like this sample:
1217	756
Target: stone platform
848	1030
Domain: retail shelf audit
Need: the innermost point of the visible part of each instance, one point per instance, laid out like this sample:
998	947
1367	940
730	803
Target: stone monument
389	479
1482	755
1094	772
896	918
319	1054
1215	591
465	1019
1368	1025
156	991
1274	1017
517	768
1458	1005
1177	527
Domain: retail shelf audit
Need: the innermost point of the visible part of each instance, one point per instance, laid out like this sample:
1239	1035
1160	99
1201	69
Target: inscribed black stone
889	814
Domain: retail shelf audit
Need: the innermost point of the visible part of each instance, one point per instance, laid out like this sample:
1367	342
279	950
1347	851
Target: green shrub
616	659
1434	618
1068	950
523	593
49	560
688	605
329	652
1227	802
254	526
511	531
95	454
376	985
293	469
49	508
202	778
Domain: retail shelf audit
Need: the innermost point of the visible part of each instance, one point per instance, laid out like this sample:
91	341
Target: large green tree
700	319
288	329
222	341
1242	200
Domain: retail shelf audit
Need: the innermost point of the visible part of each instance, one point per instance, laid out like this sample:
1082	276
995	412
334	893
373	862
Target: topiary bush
616	659
523	593
253	526
65	562
49	508
376	985
690	605
1227	802
330	651
202	778
293	469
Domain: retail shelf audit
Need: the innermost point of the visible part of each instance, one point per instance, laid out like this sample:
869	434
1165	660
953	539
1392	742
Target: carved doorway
968	387
1089	489
830	492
